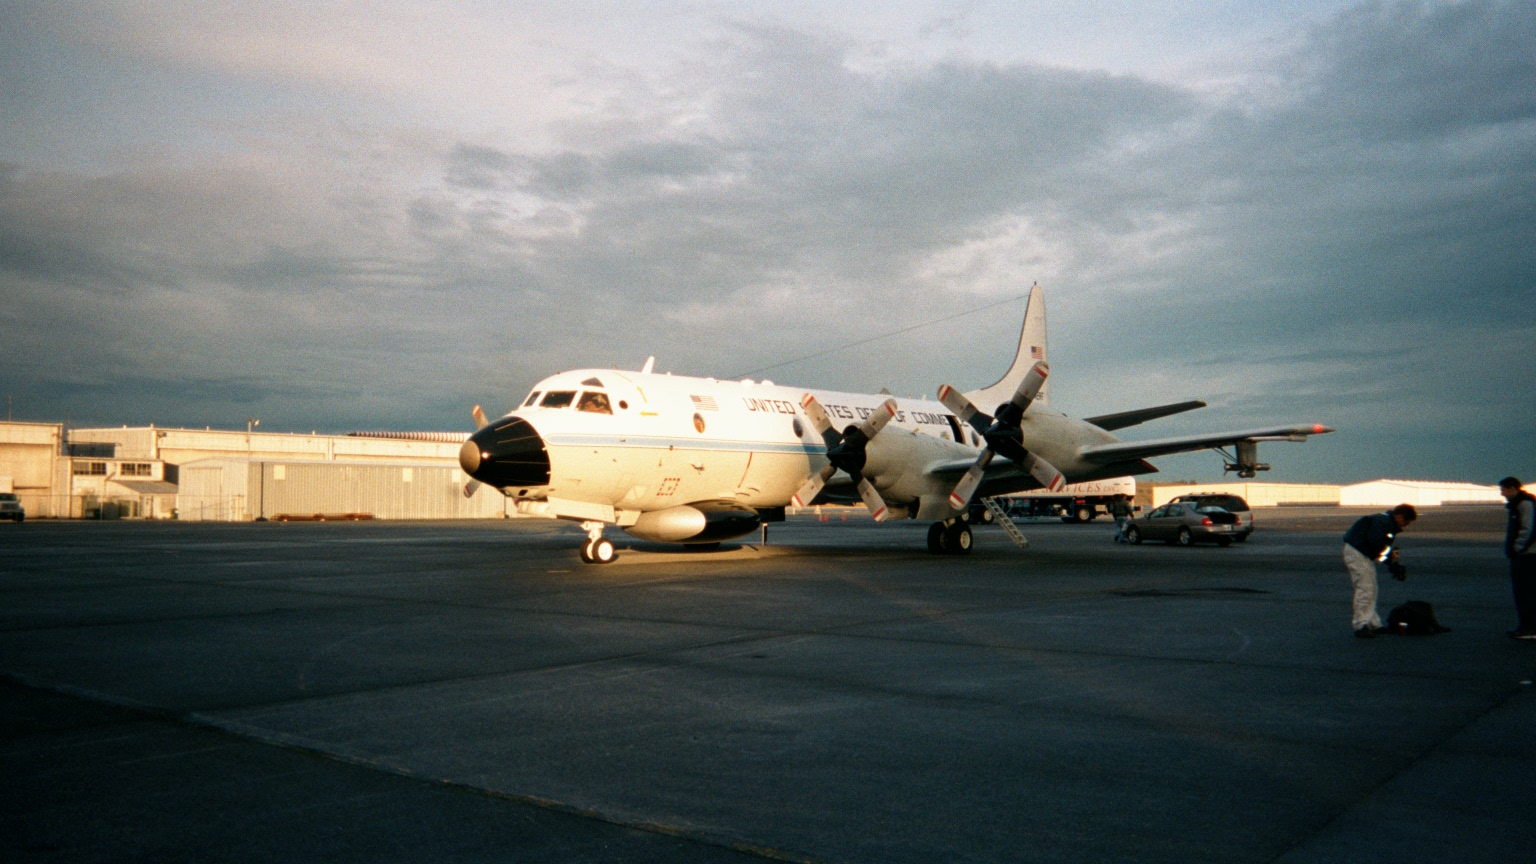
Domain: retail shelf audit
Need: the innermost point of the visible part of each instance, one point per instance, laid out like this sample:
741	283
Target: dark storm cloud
1342	234
1411	71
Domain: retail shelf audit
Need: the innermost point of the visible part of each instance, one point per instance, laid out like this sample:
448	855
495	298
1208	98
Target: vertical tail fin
1032	347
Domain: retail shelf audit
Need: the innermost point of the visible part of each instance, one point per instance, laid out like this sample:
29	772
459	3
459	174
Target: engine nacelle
706	522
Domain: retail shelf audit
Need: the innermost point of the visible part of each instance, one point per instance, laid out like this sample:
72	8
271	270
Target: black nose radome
506	453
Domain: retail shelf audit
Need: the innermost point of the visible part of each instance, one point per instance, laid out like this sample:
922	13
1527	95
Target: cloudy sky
342	215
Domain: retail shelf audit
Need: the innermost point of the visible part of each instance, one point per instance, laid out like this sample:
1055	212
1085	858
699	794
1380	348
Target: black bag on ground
1414	618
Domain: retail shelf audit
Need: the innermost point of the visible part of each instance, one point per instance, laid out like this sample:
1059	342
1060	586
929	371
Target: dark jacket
1371	535
1522	524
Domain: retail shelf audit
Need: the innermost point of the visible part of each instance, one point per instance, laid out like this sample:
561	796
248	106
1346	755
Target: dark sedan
1184	525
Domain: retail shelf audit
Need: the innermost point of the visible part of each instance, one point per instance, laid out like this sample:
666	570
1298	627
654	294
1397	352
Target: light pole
250	423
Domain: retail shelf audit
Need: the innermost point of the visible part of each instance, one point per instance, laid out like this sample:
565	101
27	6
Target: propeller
1003	435
473	485
845	451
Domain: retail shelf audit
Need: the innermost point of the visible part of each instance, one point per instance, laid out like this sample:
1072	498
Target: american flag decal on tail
1036	352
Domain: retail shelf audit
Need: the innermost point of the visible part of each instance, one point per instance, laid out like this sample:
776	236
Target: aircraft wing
1187	443
1000	465
1111	422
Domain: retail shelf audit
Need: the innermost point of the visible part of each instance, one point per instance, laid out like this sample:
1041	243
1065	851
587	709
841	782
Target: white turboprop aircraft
696	460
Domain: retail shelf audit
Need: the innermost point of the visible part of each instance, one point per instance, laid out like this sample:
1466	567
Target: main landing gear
951	537
599	550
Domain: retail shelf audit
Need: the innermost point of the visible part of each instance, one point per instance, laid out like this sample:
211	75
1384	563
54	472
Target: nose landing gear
598	550
951	537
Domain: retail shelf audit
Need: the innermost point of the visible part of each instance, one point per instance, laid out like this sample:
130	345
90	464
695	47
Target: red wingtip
1318	428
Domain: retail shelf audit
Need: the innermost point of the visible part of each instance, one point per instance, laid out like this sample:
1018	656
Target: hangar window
558	399
532	398
594	402
135	469
92	469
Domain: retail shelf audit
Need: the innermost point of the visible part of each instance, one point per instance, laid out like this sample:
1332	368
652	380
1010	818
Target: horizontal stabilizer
1189	443
1111	422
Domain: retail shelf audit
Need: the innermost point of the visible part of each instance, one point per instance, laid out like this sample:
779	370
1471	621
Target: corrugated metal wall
1256	494
213	490
232	489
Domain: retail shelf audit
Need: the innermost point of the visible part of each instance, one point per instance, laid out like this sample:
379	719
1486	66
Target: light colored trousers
1362	573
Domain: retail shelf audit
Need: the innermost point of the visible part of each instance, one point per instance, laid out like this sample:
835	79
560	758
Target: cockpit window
592	382
558	398
594	403
532	398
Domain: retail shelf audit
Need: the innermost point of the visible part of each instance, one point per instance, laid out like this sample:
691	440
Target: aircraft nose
469	457
508	452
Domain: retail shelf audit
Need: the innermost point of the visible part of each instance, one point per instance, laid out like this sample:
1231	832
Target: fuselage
616	442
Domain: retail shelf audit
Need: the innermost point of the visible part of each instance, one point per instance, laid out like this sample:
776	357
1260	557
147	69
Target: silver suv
10	507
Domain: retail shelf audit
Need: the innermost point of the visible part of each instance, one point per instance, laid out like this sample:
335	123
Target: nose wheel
598	549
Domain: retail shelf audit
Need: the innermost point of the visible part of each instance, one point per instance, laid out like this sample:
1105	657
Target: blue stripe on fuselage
641	441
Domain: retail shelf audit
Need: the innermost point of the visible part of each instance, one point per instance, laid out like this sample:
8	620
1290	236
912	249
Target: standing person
1522	558
1120	508
1370	540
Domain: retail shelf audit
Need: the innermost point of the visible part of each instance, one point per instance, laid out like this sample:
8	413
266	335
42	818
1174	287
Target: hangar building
220	474
1375	493
233	490
1419	493
32	466
1256	494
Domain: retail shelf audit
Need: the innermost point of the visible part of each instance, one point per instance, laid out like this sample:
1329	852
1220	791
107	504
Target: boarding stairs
1000	516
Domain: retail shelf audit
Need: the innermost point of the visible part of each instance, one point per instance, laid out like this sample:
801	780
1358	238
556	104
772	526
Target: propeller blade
479	416
471	488
967	485
878	420
812	487
1029	388
818	417
1044	471
1012	413
872	499
963	408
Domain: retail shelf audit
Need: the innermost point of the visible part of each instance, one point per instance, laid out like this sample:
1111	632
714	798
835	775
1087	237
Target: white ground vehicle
1076	502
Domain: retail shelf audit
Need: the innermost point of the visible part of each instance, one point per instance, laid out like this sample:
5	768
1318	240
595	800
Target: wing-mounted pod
1247	463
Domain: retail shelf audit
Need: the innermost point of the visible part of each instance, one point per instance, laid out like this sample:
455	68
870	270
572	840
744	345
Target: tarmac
469	691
